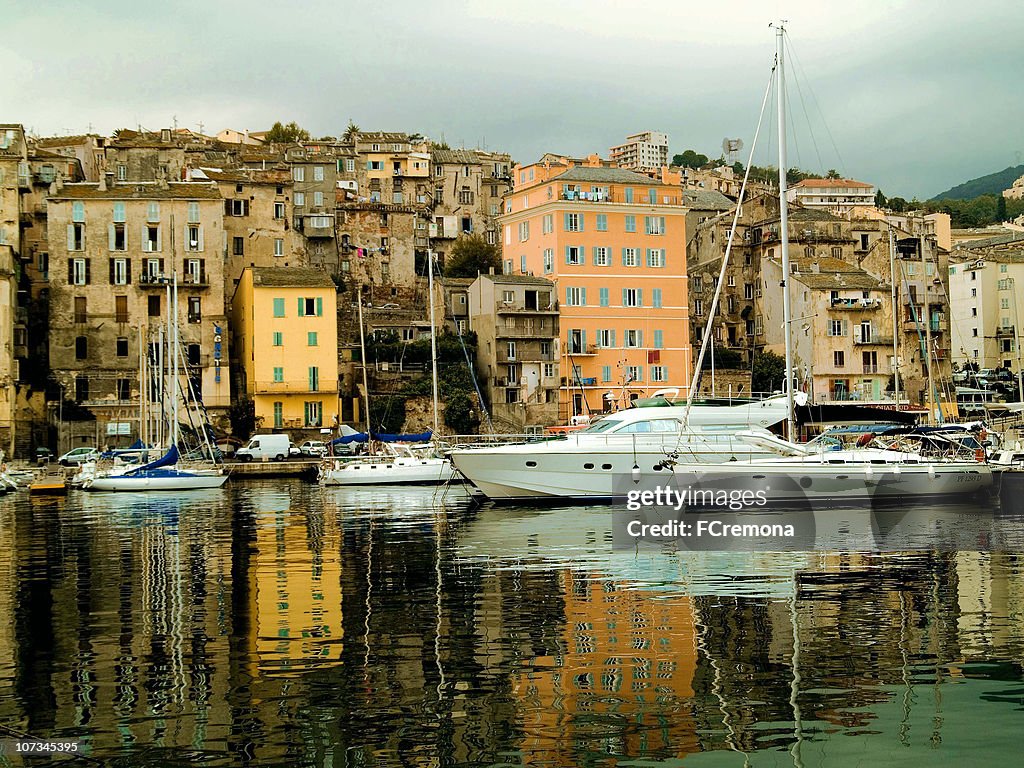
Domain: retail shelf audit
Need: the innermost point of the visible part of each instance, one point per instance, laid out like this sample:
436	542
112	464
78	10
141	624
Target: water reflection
277	623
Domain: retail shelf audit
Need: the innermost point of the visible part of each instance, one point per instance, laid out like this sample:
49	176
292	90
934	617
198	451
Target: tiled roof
707	200
831	183
518	280
606	175
290	277
183	190
833	274
454	156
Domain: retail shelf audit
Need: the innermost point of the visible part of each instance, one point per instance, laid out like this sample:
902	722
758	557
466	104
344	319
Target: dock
244	470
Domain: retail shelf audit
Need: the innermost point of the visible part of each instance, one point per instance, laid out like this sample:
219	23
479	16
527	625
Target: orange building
614	243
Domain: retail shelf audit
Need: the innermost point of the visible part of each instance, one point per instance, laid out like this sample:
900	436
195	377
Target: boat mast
895	321
142	391
932	415
362	352
787	310
174	352
433	335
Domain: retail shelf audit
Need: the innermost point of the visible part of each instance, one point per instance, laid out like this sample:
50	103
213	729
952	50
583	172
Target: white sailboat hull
173	480
388	471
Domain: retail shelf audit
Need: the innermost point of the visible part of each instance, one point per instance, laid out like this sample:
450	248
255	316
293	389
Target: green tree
351	131
387	413
459	414
832	174
880	200
472	255
286	134
897	204
768	372
1001	208
242	416
690	159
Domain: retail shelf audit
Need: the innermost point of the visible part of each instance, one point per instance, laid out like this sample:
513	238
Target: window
318	173
748	290
549	260
698	307
120	309
318	199
633	338
550	370
278	307
81	314
151	241
124	389
574	222
837	328
656	298
278	414
697	283
122	172
311	307
573	254
654	225
602	222
312	413
193	237
153	213
837	252
81	348
659	373
838	359
298	173
575	297
974	292
350	164
606	338
631	257
1002	268
314	378
236	207
603	299
465	196
278	246
548	223
311	339
81	388
1003	285
153	306
278	210
606	373
278	375
278	338
652	196
524	231
195	309
300	199
76	237
238	246
632	297
522	264
602	256
659	339
78	271
511	350
630	223
655	257
194	272
634	373
120	271
122	346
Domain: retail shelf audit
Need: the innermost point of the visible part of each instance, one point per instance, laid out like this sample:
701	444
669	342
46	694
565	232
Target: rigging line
791	137
725	263
814	100
807	117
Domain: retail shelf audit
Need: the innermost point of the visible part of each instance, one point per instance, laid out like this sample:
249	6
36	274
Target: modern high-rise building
642	151
614	244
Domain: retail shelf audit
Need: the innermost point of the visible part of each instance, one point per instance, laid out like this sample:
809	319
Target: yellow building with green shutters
286	339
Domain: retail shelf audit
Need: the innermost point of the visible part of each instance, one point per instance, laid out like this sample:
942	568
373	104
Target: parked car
43	455
78	456
313	448
259	447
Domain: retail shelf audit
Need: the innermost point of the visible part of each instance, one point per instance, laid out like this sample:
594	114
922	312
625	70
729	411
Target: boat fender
636	473
979	454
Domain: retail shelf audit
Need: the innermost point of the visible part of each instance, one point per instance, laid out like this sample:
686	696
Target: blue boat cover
168	459
384	437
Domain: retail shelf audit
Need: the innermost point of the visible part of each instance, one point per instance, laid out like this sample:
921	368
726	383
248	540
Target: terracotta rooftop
831	183
518	280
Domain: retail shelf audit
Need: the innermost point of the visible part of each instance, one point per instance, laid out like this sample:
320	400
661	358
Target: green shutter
624	296
658	340
640	338
302	307
613	339
319	306
278	307
656	299
604	297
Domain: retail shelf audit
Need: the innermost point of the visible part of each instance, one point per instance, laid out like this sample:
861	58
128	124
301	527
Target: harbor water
275	623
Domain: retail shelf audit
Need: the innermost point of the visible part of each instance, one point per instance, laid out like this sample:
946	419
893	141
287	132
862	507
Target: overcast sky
911	95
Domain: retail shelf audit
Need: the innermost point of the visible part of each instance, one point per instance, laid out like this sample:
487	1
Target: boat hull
165	481
430	471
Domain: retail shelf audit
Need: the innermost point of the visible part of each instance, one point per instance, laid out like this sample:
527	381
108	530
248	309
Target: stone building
258	229
113	248
377	244
516	322
468	187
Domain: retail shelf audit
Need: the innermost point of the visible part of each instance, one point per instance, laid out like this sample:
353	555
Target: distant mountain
993	184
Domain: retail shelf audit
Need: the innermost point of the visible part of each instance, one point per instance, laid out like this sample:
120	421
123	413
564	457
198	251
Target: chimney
165	135
815	268
106	182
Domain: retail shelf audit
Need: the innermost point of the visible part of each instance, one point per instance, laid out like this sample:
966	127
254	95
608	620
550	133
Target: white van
260	447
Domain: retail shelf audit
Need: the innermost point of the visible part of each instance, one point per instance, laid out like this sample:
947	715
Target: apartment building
284	322
613	243
15	178
841	329
836	196
466	197
258	229
516	322
113	250
641	151
986	303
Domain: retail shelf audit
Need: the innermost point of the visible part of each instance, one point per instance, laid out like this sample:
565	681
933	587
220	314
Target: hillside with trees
992	184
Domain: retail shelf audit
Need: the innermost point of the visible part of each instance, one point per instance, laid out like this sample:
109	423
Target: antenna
730	147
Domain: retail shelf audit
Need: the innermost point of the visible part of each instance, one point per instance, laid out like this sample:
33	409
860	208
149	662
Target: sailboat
169	472
397	463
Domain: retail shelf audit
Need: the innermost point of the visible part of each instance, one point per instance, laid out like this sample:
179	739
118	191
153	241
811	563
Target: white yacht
592	463
398	465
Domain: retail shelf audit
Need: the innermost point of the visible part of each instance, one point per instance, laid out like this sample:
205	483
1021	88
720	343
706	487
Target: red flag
653	356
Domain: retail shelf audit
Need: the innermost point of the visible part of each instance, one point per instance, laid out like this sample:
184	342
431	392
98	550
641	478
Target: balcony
855	304
153	280
524	333
575	350
510	308
293	387
189	280
873	340
1007	332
